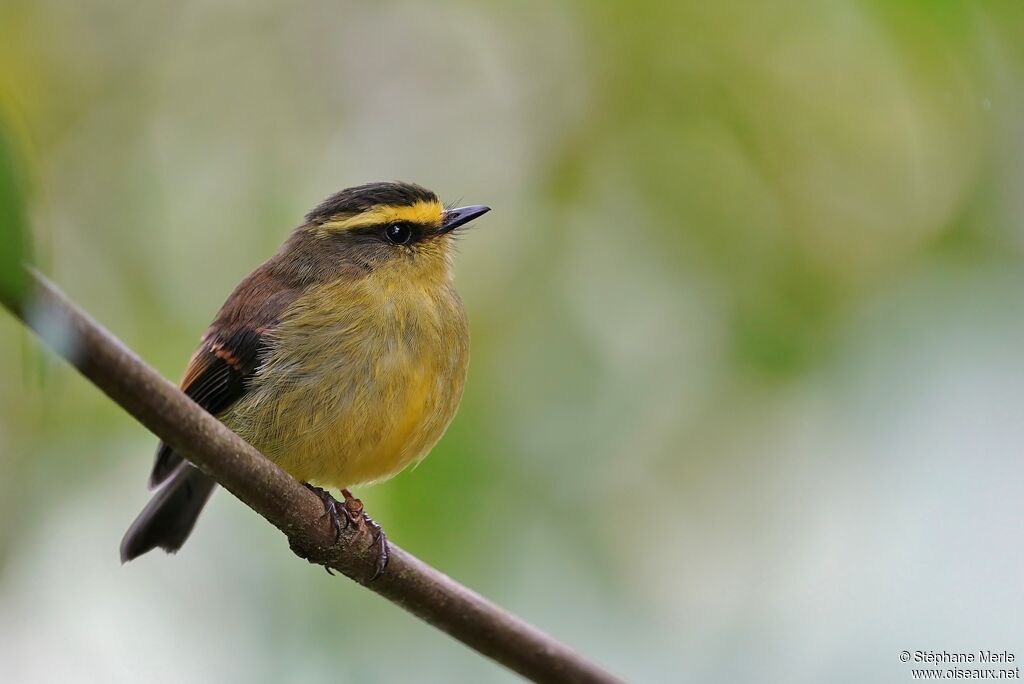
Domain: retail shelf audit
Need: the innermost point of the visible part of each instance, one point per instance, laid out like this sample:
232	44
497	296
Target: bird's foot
351	511
355	513
333	510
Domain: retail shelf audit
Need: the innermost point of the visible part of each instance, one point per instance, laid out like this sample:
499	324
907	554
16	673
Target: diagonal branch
290	507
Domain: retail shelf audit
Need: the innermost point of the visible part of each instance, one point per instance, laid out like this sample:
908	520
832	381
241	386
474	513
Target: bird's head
391	229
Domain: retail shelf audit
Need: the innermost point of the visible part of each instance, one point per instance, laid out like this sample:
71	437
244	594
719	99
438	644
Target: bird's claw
380	540
333	510
353	513
354	507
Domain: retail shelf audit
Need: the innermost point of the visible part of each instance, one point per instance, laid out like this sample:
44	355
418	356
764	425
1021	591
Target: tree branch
290	507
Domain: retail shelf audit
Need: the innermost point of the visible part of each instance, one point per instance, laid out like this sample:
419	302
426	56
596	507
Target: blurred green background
746	394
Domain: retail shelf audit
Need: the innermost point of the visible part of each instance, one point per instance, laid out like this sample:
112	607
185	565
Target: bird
342	358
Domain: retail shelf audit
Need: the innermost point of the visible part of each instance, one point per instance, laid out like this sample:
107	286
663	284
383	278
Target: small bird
342	358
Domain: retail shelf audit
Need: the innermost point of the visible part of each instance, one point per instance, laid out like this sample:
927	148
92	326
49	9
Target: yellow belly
357	395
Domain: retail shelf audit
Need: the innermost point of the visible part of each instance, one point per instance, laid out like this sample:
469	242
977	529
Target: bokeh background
746	394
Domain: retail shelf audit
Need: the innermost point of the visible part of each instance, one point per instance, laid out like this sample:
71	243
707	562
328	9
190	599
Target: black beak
461	216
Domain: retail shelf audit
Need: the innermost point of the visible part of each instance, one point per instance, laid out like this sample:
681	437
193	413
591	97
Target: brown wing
221	370
217	376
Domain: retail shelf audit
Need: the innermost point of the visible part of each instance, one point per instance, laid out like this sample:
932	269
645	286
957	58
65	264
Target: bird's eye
398	233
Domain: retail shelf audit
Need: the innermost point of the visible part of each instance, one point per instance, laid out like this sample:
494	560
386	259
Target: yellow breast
362	380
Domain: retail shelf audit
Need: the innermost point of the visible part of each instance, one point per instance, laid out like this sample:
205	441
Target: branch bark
298	513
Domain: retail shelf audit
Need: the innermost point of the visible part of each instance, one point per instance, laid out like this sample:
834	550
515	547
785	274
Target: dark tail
169	517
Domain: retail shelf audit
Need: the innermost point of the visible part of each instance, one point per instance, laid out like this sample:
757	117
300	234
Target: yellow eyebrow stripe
426	213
